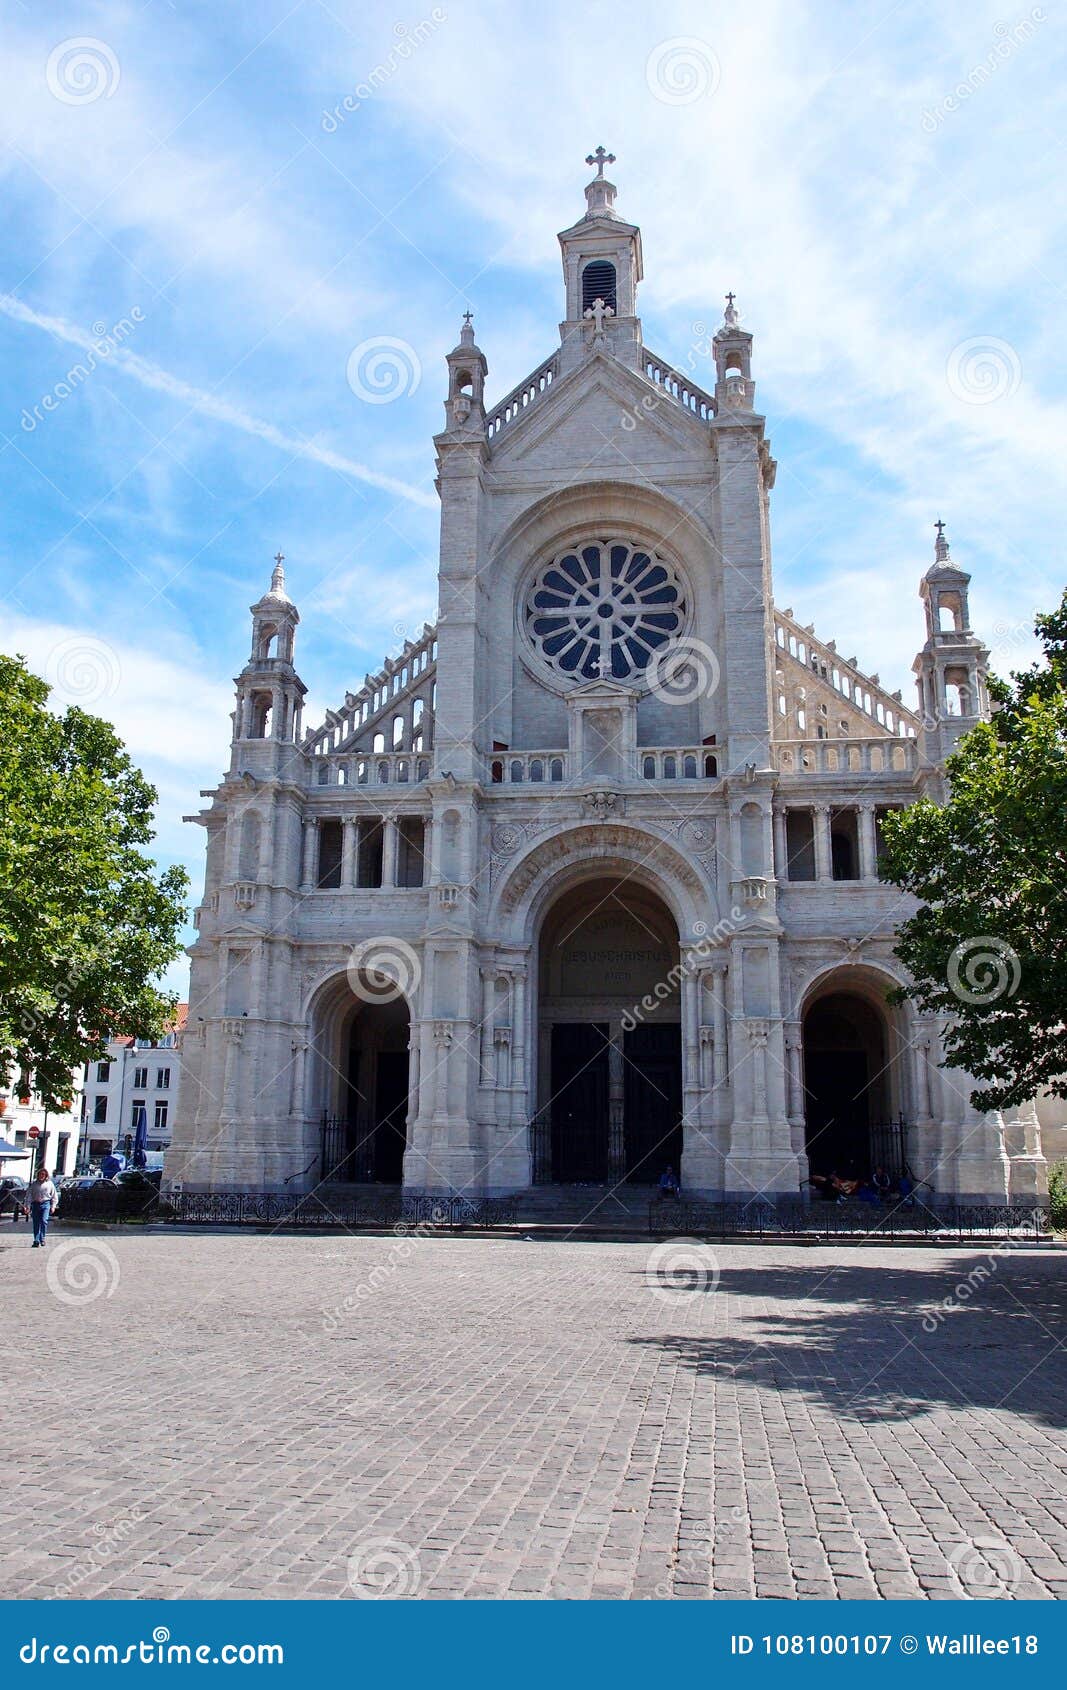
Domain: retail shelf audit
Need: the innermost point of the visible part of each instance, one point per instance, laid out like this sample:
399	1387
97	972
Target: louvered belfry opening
598	282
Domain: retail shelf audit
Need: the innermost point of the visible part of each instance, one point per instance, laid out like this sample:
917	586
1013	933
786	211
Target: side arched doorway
361	1085
852	1091
609	1072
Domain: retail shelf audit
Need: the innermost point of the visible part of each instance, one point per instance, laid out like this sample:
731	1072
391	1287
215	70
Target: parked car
13	1198
144	1179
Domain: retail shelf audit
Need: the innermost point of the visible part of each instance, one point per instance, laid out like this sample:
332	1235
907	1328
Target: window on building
330	843
162	1111
410	851
598	282
799	845
100	1112
103	1073
370	852
140	1078
162	1079
62	1146
137	1113
844	845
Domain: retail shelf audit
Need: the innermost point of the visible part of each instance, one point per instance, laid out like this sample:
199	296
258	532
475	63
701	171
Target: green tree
86	926
988	946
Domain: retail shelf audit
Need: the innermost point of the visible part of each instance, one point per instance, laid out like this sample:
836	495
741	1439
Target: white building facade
585	880
136	1081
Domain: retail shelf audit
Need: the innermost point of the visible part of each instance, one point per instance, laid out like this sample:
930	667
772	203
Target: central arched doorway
609	1035
850	1086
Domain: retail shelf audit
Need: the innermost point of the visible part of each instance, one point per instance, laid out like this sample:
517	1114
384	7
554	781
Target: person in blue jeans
43	1199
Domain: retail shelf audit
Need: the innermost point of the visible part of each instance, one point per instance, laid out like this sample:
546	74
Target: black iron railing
347	1151
792	1219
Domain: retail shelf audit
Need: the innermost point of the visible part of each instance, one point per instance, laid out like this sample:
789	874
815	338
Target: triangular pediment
618	412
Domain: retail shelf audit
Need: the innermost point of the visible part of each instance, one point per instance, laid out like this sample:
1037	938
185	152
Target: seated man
668	1184
882	1184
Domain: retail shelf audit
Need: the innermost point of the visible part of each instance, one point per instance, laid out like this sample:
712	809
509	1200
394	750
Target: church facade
584	882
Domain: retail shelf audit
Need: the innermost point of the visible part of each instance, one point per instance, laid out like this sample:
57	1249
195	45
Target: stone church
584	881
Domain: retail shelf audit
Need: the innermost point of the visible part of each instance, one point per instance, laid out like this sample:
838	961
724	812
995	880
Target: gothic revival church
585	881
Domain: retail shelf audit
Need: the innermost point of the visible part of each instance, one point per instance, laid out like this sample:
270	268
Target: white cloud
210	405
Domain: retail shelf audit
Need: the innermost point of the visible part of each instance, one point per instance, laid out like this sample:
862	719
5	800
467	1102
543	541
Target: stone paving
226	1415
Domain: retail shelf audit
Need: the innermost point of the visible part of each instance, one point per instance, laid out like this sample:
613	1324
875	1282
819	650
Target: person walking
44	1201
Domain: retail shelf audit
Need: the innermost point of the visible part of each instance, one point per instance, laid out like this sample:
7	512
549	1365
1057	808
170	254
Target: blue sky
247	193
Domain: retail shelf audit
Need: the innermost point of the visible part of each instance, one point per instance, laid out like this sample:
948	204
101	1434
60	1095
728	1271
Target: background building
25	1122
137	1080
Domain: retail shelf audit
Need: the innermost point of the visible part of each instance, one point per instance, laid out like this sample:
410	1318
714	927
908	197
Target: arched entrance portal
850	1086
362	1049
609	1072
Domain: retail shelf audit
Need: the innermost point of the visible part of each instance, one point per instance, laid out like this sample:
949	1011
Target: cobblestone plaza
332	1417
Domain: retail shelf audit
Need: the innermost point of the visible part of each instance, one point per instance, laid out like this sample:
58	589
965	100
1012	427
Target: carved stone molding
604	806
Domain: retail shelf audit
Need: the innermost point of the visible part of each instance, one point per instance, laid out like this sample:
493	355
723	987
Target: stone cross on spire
731	320
941	544
277	580
596	314
600	158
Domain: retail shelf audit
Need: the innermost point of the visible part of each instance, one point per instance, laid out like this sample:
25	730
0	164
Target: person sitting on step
668	1183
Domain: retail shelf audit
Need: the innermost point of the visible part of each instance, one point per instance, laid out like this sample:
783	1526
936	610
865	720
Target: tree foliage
86	925
988	946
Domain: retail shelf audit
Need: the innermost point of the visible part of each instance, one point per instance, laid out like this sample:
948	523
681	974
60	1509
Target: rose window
602	610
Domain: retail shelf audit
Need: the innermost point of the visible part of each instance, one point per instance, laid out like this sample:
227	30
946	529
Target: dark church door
837	1114
652	1090
579	1102
390	1138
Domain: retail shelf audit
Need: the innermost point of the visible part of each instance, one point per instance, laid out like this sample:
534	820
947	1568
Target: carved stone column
820	821
868	843
310	855
389	832
349	853
487	1074
781	845
233	1030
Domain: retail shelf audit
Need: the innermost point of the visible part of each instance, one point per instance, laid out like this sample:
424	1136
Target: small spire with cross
940	544
600	158
277	580
731	318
